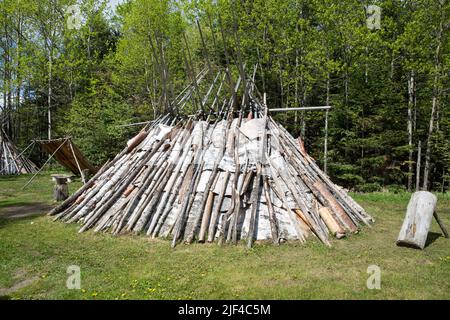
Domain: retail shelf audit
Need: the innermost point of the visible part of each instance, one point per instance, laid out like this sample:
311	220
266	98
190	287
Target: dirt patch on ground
25	210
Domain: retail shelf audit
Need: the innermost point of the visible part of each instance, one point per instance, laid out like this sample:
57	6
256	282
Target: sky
114	3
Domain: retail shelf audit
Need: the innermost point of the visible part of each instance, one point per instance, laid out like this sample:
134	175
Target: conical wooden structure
11	160
226	177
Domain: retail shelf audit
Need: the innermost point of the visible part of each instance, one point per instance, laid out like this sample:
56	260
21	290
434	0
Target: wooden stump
419	214
61	189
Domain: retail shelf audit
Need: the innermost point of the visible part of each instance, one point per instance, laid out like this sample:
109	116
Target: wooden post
61	189
76	161
419	213
441	225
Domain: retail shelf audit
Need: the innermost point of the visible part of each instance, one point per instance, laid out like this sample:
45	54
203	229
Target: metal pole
301	108
325	145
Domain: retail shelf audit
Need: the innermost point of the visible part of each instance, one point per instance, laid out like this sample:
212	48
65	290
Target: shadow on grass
9	178
12	203
4	222
432	237
19	210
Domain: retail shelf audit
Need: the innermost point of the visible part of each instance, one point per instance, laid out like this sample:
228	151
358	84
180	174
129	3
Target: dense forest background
87	70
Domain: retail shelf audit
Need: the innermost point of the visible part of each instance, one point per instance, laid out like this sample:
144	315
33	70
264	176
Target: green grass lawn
35	253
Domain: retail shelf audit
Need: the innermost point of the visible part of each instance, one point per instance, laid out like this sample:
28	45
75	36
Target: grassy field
35	253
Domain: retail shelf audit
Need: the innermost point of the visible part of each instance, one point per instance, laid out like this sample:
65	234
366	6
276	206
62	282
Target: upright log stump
61	189
420	211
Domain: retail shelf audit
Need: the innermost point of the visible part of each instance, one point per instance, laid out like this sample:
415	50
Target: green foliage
94	121
369	187
309	52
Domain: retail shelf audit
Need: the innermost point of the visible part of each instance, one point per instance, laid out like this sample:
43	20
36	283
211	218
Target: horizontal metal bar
134	124
301	108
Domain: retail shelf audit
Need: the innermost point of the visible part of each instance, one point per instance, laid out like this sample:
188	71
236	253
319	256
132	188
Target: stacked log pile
225	180
11	160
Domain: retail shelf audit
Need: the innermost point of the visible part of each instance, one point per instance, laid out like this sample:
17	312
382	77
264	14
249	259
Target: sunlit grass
134	267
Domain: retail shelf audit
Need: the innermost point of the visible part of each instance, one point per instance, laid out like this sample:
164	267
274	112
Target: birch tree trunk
433	106
325	143
419	151
409	128
49	98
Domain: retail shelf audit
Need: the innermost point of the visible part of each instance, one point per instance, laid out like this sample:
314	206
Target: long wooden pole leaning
34	176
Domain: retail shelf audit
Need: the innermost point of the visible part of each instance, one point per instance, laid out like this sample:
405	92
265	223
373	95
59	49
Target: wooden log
92	218
222	227
335	206
232	230
97	193
312	170
205	206
303	217
86	186
175	180
246	184
272	219
216	212
180	179
332	225
206	217
187	195
125	213
188	200
308	218
141	199
211	181
235	201
136	140
258	180
154	196
417	222
300	227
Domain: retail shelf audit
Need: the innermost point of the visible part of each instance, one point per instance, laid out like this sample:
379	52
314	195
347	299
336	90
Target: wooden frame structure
68	155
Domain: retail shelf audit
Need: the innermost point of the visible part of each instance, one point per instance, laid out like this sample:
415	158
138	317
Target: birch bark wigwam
12	161
234	175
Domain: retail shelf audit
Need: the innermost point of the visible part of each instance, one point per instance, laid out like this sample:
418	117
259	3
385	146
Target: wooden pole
76	161
441	225
300	108
51	156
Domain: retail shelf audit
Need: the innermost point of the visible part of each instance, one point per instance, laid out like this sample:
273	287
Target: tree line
80	68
